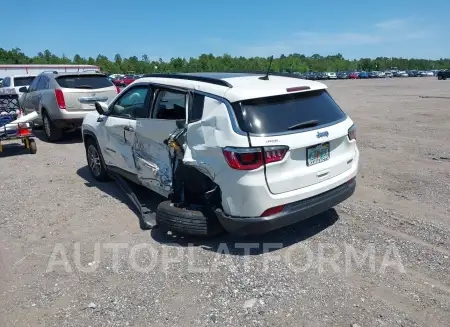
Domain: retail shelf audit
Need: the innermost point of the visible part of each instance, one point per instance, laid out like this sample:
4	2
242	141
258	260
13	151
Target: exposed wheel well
86	138
198	187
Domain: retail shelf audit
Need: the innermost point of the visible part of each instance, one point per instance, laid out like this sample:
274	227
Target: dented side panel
152	158
205	141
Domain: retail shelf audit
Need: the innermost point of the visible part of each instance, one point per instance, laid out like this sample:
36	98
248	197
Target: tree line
208	62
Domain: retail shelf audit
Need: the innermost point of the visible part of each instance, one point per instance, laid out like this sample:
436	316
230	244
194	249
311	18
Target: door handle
128	128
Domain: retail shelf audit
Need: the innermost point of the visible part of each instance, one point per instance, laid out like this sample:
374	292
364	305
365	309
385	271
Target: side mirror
101	107
23	89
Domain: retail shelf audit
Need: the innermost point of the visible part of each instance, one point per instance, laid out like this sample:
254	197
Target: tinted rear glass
276	114
84	82
23	81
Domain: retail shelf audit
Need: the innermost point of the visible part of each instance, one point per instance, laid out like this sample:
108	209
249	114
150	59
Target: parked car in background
118	81
62	100
363	75
412	73
331	75
353	75
373	74
342	75
306	75
381	74
388	74
128	79
426	73
400	73
13	84
443	74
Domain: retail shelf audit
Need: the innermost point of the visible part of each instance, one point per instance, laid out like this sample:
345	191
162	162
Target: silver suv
62	100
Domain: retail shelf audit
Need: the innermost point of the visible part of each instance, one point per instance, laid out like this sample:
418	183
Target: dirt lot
401	212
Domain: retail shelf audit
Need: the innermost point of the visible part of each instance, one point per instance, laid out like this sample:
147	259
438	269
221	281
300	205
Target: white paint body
244	193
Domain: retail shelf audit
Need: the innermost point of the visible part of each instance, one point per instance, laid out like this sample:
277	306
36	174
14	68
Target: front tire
95	161
194	221
52	132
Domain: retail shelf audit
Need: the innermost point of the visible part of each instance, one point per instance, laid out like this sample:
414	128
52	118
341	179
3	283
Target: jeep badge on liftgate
322	134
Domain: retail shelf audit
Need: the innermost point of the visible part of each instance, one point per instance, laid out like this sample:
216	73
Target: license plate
317	154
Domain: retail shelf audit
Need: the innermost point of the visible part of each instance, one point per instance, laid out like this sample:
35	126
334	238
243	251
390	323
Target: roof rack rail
292	75
91	70
216	81
50	71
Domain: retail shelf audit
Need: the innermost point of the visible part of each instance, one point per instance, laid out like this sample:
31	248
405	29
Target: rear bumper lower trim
292	212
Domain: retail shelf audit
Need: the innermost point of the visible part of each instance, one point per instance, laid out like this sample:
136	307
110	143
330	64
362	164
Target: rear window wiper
83	87
306	124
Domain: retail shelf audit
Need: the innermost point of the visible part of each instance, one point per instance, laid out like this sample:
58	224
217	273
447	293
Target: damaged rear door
151	154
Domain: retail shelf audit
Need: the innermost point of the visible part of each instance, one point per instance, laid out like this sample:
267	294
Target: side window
34	84
132	104
6	82
170	105
43	83
197	102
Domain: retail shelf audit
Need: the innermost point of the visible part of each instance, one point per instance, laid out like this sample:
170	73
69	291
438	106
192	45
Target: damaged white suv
247	153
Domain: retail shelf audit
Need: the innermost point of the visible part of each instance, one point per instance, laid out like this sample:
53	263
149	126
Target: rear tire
200	221
52	132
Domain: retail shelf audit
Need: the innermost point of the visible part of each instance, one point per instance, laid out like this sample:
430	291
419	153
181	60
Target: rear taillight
253	158
60	99
23	129
244	158
118	89
352	133
275	153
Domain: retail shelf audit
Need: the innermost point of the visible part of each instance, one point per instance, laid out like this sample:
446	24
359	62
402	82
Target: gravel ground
57	227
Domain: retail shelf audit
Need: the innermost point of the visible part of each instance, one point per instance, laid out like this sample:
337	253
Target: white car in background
331	75
426	73
247	153
12	84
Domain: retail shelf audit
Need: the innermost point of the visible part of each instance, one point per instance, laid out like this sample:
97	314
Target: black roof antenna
266	77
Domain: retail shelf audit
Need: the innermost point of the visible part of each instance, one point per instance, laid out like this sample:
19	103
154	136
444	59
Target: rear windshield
279	114
84	82
23	81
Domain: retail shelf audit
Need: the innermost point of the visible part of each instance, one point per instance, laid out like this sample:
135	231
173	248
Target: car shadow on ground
108	187
235	245
67	138
224	243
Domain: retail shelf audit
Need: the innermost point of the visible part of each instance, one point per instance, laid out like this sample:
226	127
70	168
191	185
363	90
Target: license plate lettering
318	154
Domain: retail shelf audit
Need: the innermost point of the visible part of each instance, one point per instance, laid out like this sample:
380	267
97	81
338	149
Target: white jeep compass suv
247	153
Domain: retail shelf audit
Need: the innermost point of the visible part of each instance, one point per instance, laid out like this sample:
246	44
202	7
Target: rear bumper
68	123
68	119
292	213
